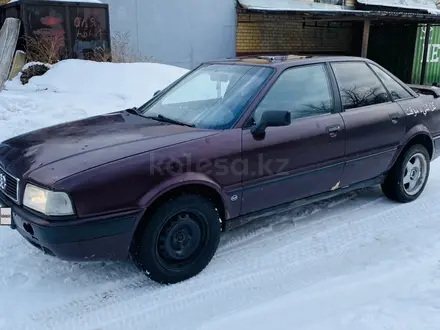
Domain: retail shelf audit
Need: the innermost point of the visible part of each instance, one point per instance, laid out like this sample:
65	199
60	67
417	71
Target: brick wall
284	33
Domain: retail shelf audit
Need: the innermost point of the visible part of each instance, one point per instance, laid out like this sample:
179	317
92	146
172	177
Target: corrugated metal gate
432	74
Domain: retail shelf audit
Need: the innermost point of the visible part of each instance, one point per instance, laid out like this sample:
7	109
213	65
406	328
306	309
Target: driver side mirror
271	119
156	92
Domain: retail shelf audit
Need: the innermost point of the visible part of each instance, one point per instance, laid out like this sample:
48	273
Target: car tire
407	179
179	240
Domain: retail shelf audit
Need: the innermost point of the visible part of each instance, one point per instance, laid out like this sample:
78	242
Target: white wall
182	33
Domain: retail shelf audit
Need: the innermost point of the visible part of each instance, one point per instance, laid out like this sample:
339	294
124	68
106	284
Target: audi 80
230	141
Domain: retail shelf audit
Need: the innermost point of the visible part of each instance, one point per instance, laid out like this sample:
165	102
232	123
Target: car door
374	123
299	160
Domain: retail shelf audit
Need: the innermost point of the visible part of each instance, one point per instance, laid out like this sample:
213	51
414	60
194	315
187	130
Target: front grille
11	188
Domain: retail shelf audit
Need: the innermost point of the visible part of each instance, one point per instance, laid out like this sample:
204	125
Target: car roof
280	61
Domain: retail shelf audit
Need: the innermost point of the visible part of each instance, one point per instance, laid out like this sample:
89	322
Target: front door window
303	91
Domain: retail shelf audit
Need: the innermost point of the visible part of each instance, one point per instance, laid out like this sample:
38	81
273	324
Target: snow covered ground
354	262
75	89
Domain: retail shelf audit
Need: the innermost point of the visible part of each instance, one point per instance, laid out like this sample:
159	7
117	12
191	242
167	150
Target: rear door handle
333	130
394	117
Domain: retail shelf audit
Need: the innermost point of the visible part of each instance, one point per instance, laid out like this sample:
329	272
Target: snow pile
135	82
29	64
75	89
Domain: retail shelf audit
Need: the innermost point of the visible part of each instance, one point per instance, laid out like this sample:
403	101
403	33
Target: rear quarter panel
423	111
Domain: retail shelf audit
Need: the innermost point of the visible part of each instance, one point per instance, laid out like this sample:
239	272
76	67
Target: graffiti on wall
88	33
87	29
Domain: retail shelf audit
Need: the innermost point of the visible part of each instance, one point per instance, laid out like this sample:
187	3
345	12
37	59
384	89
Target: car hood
76	146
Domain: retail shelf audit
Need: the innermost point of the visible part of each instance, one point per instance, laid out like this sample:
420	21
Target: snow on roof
287	5
89	1
428	5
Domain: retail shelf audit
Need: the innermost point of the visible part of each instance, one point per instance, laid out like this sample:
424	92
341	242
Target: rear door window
358	85
396	90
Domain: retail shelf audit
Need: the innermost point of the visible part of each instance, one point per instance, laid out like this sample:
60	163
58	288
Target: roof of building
429	6
290	5
420	11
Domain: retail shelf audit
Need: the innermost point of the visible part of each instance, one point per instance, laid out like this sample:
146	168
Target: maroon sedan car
227	143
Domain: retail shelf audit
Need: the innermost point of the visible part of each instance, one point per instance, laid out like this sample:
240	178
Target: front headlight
46	201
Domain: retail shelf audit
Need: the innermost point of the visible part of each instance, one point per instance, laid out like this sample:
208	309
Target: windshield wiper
169	120
134	111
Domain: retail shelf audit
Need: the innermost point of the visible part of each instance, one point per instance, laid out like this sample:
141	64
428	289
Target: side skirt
244	219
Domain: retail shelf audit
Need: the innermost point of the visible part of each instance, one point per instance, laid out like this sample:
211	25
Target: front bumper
98	238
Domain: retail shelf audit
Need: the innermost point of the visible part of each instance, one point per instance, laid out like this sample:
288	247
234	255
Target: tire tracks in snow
312	250
306	223
279	275
259	228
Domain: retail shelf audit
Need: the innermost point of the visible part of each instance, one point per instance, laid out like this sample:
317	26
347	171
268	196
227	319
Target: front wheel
408	177
179	240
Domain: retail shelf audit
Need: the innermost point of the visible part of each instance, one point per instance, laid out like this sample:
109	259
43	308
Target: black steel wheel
179	240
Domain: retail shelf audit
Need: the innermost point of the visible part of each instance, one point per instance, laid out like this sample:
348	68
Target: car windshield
212	97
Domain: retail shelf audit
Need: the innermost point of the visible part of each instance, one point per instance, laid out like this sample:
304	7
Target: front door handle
394	117
333	130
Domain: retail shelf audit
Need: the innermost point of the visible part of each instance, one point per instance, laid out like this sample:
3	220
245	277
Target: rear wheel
179	240
408	177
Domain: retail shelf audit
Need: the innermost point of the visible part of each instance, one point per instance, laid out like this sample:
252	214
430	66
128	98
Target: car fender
188	178
412	133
